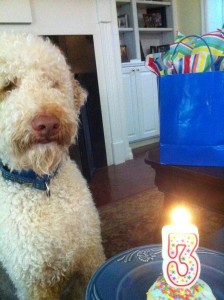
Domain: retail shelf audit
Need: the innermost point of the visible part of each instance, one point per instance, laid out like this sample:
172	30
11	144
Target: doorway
89	150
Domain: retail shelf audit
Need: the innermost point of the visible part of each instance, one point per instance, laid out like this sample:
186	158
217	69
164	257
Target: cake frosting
160	290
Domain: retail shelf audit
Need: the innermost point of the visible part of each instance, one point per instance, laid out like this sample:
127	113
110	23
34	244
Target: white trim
204	13
174	15
113	110
103	98
212	15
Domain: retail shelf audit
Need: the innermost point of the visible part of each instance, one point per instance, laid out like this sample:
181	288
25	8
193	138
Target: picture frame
124	53
142	52
163	48
148	21
122	21
152	49
155	17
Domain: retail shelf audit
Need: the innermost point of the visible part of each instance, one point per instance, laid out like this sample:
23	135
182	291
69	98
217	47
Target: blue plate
128	275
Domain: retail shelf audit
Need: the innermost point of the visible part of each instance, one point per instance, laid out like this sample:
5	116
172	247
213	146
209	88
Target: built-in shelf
144	25
147	4
135	35
162	3
129	29
123	1
160	29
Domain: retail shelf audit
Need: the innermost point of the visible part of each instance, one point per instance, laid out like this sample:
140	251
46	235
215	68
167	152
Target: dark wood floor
114	183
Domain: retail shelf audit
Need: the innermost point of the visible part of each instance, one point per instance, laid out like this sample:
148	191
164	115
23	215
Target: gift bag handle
196	36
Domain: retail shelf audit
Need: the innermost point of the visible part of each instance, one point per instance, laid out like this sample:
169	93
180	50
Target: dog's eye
11	85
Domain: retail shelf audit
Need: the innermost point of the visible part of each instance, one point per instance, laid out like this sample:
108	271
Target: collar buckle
48	191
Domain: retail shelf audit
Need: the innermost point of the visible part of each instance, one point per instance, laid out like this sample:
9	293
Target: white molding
174	15
103	98
103	11
114	94
113	109
204	12
211	15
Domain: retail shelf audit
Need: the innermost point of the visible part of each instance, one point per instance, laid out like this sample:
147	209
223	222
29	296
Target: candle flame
181	216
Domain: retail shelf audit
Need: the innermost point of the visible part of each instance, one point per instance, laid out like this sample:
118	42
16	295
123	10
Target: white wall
189	16
72	17
59	17
14	11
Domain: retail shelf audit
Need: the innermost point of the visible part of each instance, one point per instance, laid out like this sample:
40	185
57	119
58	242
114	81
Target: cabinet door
131	102
146	83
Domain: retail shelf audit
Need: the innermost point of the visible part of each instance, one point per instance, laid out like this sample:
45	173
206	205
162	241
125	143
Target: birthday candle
181	265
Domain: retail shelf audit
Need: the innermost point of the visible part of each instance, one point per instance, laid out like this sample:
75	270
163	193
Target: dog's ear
80	95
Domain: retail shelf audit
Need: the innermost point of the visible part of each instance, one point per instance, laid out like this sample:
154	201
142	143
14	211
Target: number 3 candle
181	265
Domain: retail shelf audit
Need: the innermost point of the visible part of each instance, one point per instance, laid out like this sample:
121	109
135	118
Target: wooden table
201	185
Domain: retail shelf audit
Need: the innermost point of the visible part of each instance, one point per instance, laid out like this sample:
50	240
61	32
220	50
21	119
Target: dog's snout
46	125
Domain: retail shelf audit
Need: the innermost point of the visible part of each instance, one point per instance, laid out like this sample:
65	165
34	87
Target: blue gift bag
192	119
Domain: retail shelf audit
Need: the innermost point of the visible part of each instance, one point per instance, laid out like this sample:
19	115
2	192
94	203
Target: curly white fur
43	241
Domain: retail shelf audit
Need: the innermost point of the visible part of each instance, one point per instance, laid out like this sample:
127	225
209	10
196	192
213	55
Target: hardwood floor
123	195
114	183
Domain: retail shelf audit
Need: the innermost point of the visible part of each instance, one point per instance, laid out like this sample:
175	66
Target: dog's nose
46	125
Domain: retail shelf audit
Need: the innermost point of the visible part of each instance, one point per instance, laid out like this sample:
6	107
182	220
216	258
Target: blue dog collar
28	177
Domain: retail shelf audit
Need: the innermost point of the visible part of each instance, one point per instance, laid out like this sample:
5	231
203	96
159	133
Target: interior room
107	44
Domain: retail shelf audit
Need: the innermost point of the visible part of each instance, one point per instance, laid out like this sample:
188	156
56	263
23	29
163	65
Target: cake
160	290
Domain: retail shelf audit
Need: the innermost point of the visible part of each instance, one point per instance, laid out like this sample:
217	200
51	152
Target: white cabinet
141	99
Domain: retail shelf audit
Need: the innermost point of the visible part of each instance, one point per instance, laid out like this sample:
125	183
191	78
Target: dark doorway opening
89	150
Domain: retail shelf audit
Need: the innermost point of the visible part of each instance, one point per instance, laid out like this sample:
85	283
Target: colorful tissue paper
192	64
215	41
190	54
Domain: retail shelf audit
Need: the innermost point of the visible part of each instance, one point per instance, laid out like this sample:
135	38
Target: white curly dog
49	225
